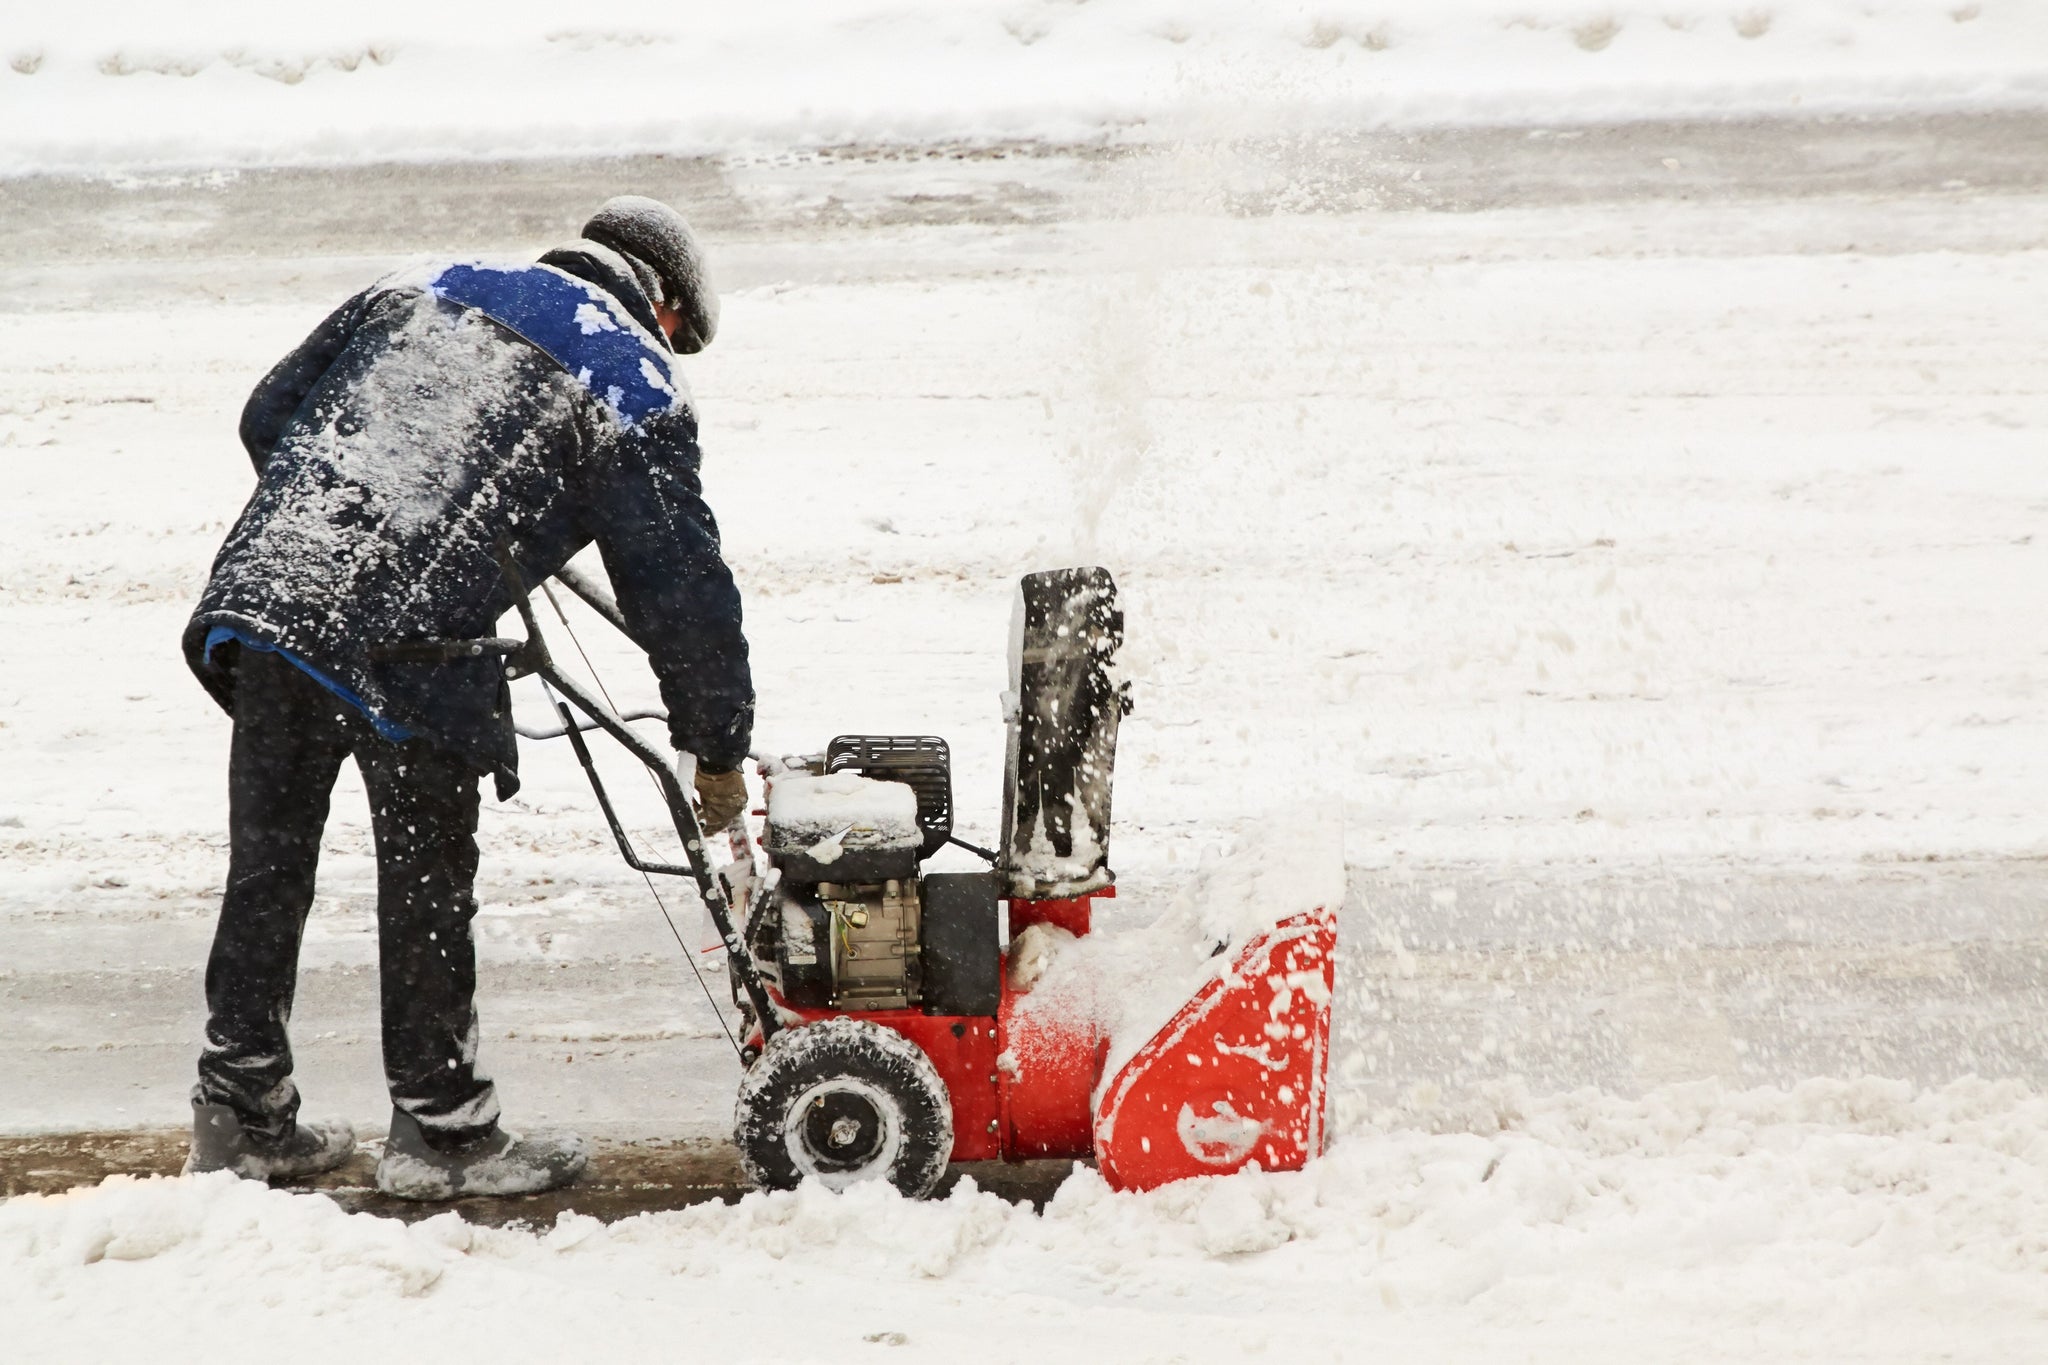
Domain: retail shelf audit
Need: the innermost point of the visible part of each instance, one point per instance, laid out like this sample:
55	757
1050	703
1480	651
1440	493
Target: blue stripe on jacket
578	326
386	729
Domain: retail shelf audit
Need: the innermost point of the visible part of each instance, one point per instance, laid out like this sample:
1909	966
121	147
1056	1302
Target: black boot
221	1143
496	1163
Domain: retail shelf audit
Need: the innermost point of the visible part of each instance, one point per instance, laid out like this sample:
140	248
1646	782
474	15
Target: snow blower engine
897	1019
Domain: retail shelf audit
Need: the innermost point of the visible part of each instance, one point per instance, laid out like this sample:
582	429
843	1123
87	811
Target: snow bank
246	1237
123	83
1837	1219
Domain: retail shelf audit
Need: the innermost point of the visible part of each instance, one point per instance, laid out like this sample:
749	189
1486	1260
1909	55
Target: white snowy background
100	82
1650	589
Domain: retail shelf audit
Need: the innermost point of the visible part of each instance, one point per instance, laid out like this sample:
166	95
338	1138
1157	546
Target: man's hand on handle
723	794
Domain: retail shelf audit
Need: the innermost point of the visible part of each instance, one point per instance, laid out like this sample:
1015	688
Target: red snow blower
892	1022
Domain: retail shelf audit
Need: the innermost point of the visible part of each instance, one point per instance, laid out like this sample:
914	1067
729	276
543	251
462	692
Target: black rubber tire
843	1101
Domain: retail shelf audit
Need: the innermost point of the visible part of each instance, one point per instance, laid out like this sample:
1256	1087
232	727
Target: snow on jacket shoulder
444	412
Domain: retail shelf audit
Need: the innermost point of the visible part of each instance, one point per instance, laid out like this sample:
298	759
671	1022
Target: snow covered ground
1630	534
1843	1221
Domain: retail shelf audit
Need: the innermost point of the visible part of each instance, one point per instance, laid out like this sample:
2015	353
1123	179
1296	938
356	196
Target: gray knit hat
657	241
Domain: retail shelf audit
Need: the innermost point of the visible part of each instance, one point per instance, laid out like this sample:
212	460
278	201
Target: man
440	419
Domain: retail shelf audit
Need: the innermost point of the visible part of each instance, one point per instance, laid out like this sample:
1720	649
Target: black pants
291	735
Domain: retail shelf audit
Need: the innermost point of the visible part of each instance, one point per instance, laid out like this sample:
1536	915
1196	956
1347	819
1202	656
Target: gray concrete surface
357	210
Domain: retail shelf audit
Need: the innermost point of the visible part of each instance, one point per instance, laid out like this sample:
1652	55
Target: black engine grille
921	762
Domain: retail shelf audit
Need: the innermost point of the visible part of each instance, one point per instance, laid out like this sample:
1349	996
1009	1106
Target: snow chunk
1131	983
1292	865
656	377
842	810
593	319
1032	951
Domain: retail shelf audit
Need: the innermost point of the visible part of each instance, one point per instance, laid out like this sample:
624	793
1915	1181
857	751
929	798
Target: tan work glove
723	796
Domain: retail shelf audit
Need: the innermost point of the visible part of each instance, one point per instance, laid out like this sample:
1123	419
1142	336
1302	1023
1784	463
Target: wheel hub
841	1130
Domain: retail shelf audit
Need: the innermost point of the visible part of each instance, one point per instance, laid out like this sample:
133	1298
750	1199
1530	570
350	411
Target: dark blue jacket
435	416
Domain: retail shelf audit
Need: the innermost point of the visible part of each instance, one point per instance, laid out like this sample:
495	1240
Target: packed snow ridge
94	85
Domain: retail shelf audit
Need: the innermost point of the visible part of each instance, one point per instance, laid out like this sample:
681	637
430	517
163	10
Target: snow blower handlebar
530	656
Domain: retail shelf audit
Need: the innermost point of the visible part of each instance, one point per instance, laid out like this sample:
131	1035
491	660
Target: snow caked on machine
897	1019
